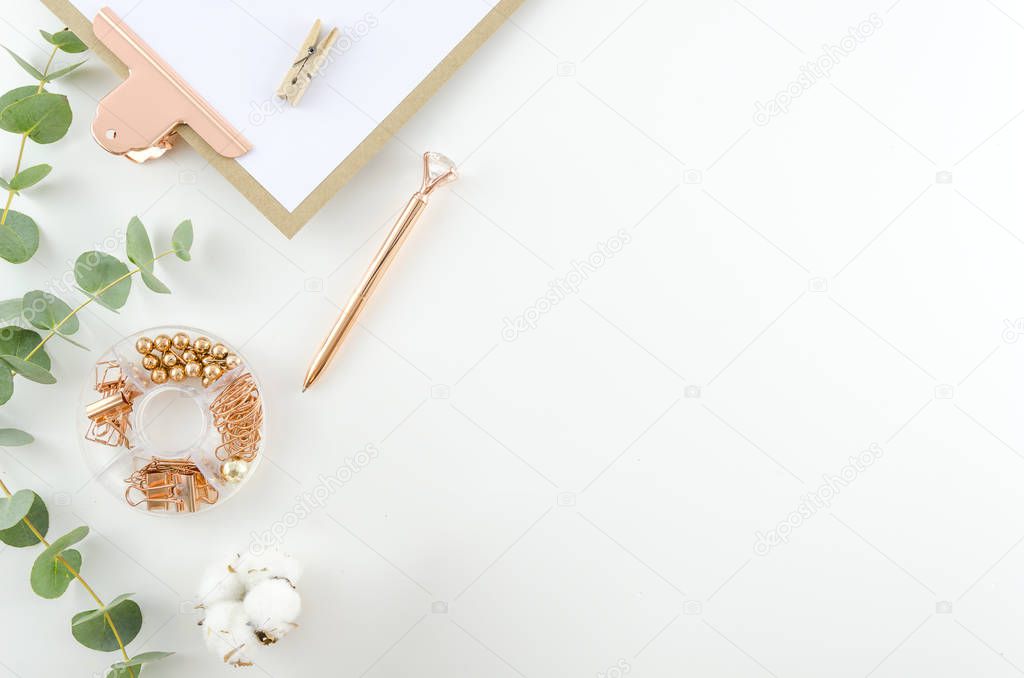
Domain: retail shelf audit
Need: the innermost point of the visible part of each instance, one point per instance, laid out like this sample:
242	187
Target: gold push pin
437	171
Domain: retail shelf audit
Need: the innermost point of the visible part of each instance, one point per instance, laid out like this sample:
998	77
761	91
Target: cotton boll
249	604
272	607
227	632
219	584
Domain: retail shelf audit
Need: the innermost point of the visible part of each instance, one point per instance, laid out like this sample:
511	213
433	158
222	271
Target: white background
587	495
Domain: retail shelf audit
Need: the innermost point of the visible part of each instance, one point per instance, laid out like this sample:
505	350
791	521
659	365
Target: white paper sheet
236	53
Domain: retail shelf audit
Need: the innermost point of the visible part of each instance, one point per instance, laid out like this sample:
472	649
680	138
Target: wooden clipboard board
287	222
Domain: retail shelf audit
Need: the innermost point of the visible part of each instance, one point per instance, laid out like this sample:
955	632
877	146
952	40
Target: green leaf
50	77
12	437
45	311
65	40
6	383
44	117
30	176
20	342
94	271
14	508
140	253
17	94
90	628
50	579
30	371
19	237
20	535
181	241
153	283
29	68
10	309
5	185
120	669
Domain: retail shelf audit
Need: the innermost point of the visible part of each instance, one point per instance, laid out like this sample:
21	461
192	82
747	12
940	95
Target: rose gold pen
437	171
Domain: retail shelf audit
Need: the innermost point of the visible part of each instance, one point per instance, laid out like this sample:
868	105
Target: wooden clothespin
308	61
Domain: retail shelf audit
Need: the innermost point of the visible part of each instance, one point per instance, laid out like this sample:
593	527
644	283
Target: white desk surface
584	497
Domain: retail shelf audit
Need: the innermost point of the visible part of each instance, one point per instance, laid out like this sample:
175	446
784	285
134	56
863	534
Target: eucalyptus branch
106	288
33	114
24	138
77	575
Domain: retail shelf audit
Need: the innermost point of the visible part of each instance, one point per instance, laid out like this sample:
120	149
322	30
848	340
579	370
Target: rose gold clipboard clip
138	118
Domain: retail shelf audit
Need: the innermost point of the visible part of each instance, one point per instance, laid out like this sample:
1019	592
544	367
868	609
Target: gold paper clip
109	416
139	117
308	61
170	485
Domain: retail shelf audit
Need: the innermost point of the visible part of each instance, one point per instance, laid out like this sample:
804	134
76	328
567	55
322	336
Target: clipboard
289	218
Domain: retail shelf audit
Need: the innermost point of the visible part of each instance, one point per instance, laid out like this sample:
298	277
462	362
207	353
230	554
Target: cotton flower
248	602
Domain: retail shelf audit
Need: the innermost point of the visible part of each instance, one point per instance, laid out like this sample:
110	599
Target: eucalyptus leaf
65	40
6	383
181	240
14	508
17	94
12	437
121	669
45	311
91	629
140	252
95	271
29	68
20	536
19	237
93	614
4	184
10	309
50	77
31	371
29	176
20	342
44	117
50	579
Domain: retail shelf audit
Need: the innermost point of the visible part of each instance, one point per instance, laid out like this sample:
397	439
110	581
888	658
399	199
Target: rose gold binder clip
308	61
110	415
175	485
138	119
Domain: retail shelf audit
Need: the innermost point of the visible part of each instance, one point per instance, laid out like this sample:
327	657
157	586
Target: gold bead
193	369
159	376
206	382
231	361
234	470
150	361
180	341
219	351
202	344
176	373
143	345
213	372
189	356
162	342
169	359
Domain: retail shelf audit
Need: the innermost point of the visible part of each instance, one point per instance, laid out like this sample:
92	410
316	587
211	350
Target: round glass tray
181	441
